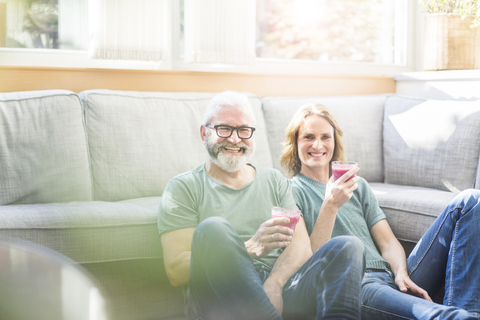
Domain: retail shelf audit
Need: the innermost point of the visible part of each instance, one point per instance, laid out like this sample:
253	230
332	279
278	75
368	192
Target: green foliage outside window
34	24
330	31
463	7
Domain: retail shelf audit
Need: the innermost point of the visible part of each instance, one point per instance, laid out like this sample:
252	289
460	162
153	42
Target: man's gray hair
228	99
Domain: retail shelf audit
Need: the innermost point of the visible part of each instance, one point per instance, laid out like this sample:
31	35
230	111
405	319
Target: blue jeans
447	255
224	283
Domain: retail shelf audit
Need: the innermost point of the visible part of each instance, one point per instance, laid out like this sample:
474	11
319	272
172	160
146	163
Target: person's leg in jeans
381	300
328	284
448	247
449	254
223	281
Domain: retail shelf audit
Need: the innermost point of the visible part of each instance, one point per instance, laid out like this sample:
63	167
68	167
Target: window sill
448	75
79	59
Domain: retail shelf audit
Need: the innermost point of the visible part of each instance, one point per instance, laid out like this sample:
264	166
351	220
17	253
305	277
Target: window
332	31
37	24
292	36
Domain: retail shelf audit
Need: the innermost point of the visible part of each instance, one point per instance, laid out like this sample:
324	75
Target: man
218	238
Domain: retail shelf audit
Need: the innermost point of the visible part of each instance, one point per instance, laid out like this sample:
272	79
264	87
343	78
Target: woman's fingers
340	191
348	174
353	183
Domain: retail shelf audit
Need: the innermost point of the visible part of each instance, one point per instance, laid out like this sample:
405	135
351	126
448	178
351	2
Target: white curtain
3	24
220	31
72	24
130	29
14	24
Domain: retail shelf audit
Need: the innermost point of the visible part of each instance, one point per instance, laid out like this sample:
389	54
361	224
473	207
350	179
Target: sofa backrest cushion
477	183
431	143
43	148
140	140
360	117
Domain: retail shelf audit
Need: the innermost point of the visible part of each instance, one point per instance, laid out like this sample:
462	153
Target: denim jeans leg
381	300
223	281
448	254
328	284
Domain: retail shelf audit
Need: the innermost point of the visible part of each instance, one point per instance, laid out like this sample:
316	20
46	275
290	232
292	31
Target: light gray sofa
83	173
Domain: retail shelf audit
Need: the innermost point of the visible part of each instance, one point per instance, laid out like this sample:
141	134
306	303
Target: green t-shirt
354	218
192	197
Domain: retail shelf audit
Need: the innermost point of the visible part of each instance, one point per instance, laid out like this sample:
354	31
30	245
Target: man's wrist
251	248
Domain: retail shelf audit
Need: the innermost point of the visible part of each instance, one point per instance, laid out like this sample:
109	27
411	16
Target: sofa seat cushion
86	231
410	211
360	118
140	140
43	148
431	143
151	203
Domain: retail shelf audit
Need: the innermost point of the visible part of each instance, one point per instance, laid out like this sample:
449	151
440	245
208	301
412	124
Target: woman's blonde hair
290	160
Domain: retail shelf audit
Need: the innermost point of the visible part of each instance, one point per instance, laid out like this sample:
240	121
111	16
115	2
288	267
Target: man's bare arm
176	255
292	258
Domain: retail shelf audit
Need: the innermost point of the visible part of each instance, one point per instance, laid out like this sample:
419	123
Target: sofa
83	173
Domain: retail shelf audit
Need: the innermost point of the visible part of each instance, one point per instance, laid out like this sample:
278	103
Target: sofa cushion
152	203
93	231
360	117
140	140
410	210
477	183
43	148
431	143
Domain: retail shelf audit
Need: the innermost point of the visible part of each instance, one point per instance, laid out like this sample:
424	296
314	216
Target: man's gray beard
228	162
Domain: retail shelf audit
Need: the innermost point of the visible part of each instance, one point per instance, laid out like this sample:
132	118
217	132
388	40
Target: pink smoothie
340	171
293	220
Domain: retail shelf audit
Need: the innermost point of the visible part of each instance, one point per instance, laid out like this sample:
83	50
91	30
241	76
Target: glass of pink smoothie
292	214
339	168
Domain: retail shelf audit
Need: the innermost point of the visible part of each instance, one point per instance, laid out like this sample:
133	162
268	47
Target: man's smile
233	149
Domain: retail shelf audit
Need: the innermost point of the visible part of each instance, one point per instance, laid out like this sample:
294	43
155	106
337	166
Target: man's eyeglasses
224	131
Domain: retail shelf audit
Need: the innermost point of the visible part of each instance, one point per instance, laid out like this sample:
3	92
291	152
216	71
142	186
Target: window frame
79	58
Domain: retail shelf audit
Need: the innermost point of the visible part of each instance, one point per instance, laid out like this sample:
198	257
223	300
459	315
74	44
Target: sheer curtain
73	24
15	17
220	31
3	24
130	29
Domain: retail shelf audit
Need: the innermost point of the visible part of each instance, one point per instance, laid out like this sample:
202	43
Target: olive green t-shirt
192	197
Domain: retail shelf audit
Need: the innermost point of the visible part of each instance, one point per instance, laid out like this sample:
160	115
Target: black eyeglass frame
231	130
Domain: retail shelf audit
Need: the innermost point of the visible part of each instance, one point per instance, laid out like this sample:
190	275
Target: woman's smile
317	154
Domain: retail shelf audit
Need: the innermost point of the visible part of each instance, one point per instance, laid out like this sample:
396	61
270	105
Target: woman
349	207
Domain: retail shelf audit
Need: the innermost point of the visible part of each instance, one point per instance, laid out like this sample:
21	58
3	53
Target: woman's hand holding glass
340	191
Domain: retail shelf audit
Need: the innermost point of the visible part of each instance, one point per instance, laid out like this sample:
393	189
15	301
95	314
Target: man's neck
234	180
